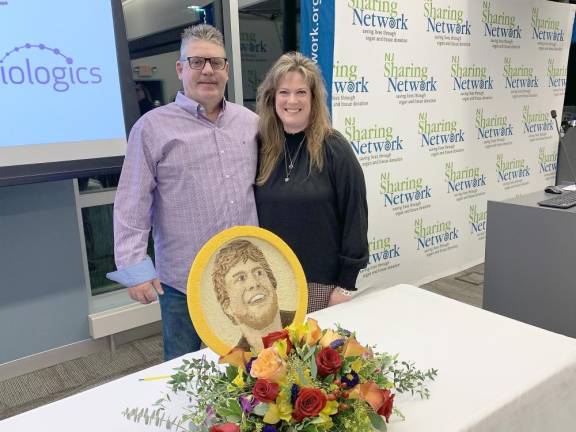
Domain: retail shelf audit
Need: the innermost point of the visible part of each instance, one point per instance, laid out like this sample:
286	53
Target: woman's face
293	102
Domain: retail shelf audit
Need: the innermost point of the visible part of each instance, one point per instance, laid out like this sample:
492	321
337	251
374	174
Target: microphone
555	117
562	145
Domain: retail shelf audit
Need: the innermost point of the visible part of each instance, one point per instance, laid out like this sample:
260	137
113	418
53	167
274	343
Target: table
495	374
530	254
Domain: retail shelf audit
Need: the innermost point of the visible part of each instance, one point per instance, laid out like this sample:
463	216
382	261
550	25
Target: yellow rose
269	365
329	337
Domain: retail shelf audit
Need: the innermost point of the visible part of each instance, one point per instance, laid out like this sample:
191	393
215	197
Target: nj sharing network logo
41	65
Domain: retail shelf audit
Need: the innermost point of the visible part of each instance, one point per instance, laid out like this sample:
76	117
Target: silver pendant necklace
288	158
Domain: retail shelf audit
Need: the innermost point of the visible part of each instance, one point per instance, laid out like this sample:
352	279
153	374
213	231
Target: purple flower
351	379
210	411
247	403
344	332
249	365
294	393
210	414
337	343
269	428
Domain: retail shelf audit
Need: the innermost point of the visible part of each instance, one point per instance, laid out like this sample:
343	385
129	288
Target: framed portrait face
245	283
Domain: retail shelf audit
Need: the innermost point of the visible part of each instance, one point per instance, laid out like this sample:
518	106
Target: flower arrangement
305	379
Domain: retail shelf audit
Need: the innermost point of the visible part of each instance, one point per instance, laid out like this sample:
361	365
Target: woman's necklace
288	158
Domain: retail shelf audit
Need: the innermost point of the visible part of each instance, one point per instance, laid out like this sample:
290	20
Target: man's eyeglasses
217	63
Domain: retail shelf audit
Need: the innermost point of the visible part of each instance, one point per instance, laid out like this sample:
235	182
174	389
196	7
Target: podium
566	157
530	263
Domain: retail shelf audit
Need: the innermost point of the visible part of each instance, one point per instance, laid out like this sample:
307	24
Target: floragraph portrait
244	284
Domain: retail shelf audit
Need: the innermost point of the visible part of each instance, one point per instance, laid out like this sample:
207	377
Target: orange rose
236	357
314	332
353	348
381	400
268	365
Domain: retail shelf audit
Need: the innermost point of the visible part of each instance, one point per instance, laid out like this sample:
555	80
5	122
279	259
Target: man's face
253	299
205	86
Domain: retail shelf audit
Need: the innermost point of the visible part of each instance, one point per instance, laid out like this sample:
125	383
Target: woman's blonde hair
271	130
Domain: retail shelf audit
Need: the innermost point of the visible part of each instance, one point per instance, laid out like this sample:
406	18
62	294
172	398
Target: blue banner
317	37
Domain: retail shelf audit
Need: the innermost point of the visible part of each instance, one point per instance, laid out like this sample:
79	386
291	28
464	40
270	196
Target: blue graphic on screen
58	73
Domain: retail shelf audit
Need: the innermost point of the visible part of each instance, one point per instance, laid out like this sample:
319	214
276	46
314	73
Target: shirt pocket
188	180
245	157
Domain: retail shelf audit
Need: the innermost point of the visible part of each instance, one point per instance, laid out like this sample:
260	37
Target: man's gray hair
201	32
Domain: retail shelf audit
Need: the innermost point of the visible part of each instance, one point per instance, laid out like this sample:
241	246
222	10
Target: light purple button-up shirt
186	178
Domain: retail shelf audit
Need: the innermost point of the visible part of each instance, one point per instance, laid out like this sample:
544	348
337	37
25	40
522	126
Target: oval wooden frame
201	262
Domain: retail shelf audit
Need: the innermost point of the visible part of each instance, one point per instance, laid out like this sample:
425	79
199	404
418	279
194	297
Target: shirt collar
193	107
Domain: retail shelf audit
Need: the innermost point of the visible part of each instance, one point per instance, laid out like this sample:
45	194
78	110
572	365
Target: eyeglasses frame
206	59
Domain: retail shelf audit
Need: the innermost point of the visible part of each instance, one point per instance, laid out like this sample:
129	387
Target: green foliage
377	422
217	394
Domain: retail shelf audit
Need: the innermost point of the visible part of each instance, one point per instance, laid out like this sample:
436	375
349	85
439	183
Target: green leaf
233	418
313	368
310	353
261	409
317	420
303	380
377	421
232	411
235	406
231	372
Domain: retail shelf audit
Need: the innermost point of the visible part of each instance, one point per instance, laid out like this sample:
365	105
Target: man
188	175
246	290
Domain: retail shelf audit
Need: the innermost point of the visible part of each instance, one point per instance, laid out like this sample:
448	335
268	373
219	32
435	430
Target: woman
310	189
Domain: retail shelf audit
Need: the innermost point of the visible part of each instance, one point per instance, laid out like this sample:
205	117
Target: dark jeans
179	334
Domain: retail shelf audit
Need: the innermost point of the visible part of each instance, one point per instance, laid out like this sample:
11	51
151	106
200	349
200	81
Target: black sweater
322	216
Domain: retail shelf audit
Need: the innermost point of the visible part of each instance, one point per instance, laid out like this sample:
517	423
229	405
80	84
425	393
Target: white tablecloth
495	374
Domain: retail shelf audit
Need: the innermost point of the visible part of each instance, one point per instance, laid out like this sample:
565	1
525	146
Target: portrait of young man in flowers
305	379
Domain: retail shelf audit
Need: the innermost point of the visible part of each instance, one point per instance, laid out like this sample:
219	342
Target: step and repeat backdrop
446	104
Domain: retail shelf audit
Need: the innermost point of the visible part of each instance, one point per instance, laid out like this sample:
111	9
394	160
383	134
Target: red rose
309	403
328	361
387	403
226	427
270	338
265	391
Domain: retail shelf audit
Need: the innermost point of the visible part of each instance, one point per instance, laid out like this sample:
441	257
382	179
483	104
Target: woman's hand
339	295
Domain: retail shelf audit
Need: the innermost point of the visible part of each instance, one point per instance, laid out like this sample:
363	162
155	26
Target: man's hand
146	292
339	295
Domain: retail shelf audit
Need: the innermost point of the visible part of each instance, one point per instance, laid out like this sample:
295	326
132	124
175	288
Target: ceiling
145	17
